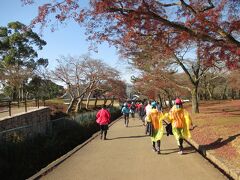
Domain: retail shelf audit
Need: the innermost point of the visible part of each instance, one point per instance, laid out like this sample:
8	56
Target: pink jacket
103	117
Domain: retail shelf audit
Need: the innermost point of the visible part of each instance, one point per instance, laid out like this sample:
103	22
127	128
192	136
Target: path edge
225	168
44	171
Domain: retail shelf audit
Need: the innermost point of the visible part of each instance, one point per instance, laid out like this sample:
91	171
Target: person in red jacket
103	119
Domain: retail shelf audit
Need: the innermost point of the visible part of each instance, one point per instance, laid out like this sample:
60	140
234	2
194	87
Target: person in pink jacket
103	119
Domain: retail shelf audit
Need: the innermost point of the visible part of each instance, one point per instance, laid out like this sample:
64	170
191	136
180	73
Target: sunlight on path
127	154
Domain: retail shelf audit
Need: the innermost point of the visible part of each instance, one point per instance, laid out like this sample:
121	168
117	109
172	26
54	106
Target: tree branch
168	4
184	68
188	7
194	33
211	6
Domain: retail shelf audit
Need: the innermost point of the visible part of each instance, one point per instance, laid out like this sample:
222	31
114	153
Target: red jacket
103	117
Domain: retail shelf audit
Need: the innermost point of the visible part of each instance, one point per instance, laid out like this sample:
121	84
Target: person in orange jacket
155	118
181	121
103	119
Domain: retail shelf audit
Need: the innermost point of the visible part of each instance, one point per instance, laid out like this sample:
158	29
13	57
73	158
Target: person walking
132	109
148	109
181	121
142	112
159	107
155	118
103	119
125	112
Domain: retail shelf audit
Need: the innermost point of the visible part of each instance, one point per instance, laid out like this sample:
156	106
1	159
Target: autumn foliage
215	23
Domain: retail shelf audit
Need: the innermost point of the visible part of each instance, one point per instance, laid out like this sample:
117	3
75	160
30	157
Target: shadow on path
134	126
126	137
187	150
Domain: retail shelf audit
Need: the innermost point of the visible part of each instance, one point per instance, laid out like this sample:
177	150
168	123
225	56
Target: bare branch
211	6
188	7
168	4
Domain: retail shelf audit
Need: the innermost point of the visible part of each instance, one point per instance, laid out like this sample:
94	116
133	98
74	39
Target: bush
20	160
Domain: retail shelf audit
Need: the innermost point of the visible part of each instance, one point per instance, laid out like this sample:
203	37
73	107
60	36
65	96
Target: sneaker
159	152
180	152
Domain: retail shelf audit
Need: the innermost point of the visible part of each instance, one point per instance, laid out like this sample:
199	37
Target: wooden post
36	101
25	104
9	108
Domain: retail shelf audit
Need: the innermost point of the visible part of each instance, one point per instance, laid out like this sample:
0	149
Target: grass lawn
218	129
59	104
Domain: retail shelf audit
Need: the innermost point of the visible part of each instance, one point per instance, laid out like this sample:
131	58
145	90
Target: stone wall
27	124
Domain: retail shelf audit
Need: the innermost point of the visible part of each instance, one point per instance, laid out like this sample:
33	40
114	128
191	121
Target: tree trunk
210	93
112	101
95	104
165	102
88	97
169	98
205	89
224	96
19	94
70	106
160	100
14	93
195	105
233	94
22	92
170	101
79	104
105	101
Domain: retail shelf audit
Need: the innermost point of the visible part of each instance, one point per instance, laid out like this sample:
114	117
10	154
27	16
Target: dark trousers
158	146
148	129
181	144
103	131
126	119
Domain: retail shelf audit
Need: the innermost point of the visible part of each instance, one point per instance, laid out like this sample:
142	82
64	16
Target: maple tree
211	26
154	60
215	23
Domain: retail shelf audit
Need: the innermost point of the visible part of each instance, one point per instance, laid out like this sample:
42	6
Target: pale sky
67	40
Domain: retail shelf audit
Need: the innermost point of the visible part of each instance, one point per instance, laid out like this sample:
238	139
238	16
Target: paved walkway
127	155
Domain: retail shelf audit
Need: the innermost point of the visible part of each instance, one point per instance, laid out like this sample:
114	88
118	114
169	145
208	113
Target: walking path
127	155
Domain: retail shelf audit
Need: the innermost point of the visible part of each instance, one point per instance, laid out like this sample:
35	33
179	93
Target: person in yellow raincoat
181	121
155	118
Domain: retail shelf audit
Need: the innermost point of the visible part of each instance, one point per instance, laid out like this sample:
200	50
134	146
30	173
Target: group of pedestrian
127	109
152	117
180	122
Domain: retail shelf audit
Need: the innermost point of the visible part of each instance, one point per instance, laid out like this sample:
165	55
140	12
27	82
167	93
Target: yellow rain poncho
156	117
181	122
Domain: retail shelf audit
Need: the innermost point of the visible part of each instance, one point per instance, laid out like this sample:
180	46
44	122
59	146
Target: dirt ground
218	129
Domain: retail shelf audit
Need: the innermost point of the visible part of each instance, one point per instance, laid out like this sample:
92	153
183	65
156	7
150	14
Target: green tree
44	89
18	57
